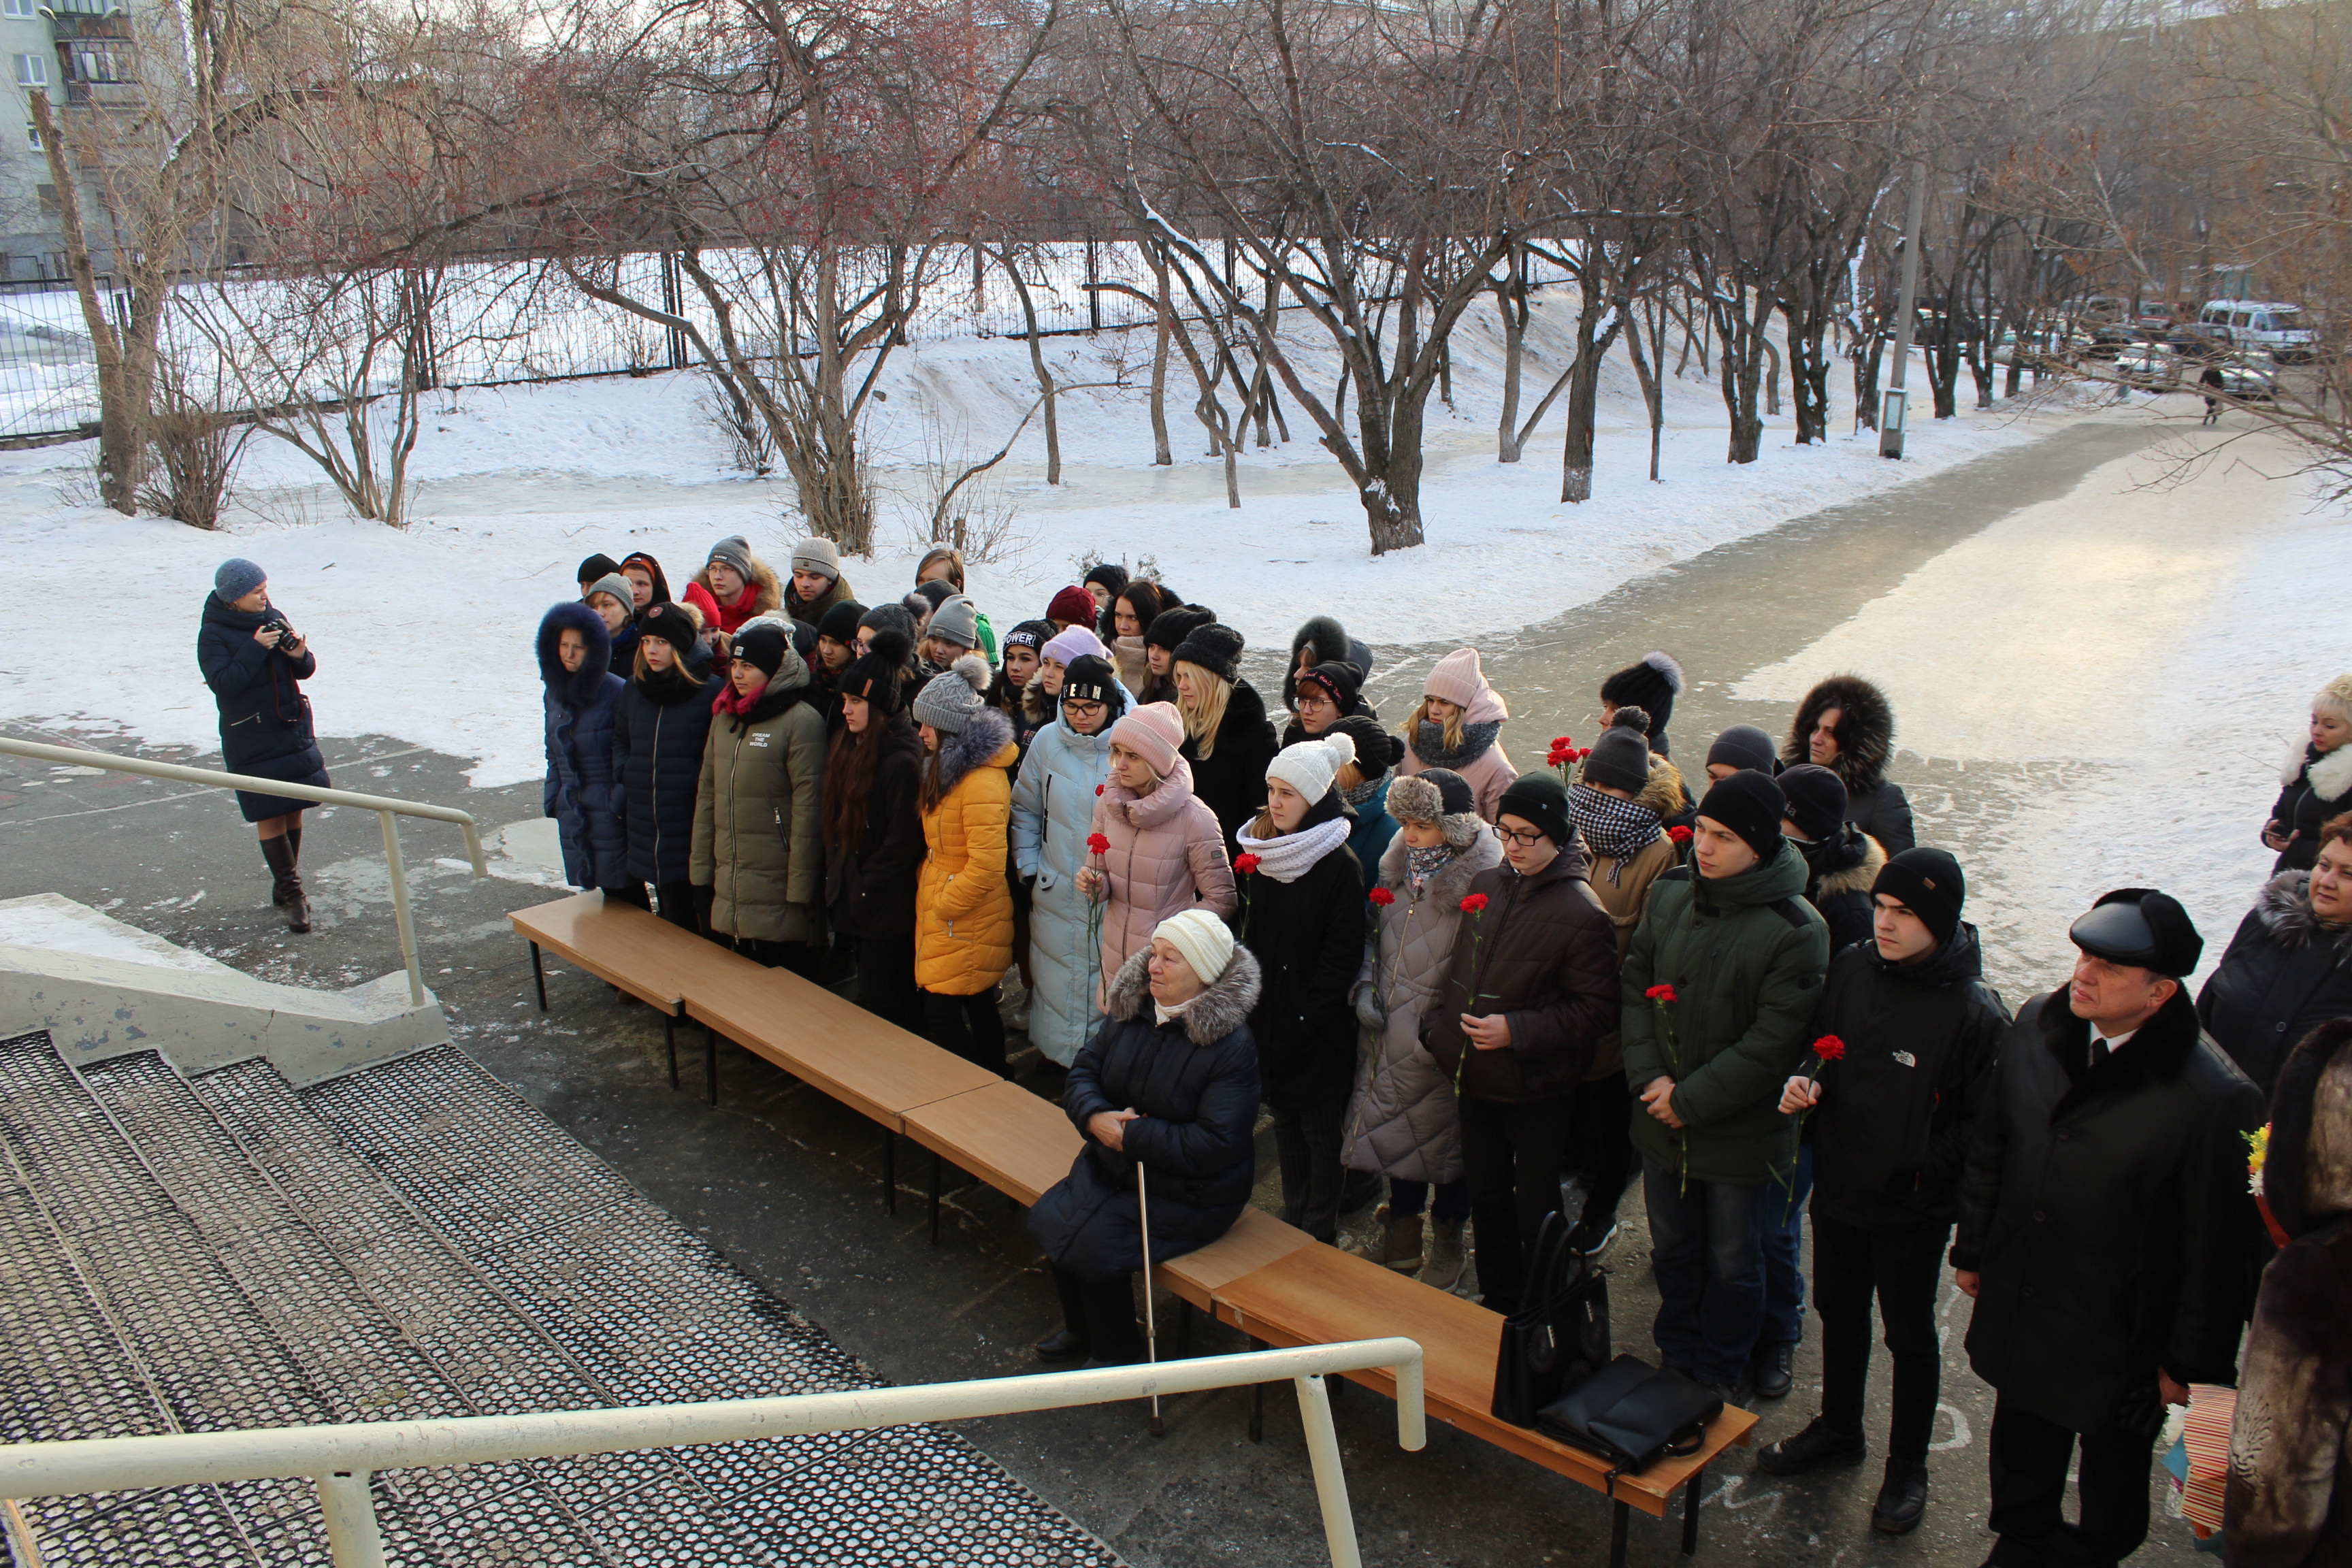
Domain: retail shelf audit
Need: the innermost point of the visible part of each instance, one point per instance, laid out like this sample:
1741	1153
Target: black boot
1819	1446
1902	1499
1773	1369
294	849
287	894
1062	1345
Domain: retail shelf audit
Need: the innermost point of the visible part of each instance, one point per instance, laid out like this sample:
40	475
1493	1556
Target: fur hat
817	556
1071	646
875	675
1215	647
1865	730
1751	806
956	621
2142	928
1440	796
733	551
1816	800
1073	605
840	623
1168	628
1651	686
1205	940
1309	767
948	702
670	623
1621	758
1153	732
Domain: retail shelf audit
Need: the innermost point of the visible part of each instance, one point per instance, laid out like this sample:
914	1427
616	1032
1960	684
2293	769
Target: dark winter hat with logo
1341	679
1215	647
670	623
2142	928
1751	806
1928	883
762	647
1088	679
1816	800
1030	634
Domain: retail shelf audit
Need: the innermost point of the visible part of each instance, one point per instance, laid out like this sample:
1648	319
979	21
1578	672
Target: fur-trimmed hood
2284	906
1865	731
1209	1017
2330	773
767	594
1331	641
577	688
1665	794
1857	859
1449	882
988	732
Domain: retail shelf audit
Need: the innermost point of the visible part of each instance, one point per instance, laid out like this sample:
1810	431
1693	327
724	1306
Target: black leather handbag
1632	1415
1559	1335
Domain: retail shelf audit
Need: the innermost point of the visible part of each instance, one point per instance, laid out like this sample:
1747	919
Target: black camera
286	633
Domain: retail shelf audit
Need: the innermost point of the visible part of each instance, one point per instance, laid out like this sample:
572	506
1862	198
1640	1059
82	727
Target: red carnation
1244	864
1097	845
1382	897
1830	1048
1474	903
1562	742
1679	834
1662	993
1099	789
1555	757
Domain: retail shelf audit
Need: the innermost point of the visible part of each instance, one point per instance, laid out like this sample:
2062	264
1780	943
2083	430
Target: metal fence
503	322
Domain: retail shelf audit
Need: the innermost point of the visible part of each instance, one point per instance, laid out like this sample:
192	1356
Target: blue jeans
1708	1254
1784	1245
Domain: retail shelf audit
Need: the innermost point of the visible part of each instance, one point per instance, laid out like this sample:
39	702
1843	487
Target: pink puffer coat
1167	855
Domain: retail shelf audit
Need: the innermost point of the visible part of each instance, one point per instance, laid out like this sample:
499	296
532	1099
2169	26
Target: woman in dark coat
2317	782
659	731
1168	1084
1304	914
583	697
1846	725
873	829
256	664
2289	968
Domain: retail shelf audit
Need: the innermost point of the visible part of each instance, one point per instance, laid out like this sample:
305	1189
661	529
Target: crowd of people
1476	996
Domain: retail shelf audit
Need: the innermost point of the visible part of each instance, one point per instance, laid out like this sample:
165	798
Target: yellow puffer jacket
963	907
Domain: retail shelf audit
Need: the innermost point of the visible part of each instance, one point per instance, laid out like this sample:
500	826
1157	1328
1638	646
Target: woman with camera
255	664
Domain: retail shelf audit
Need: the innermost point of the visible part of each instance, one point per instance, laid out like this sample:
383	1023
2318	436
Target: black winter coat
582	789
871	891
1897	1112
1231	782
1195	1081
2106	1209
2316	786
2283	975
659	732
1838	877
265	720
1309	936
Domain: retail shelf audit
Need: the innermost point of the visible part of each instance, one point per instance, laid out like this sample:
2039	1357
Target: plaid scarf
1420	865
1615	830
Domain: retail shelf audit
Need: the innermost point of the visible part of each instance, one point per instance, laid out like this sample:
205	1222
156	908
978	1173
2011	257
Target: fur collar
2158	1051
1665	794
766	593
1855	876
2329	772
960	755
1865	731
1209	1017
2284	906
576	688
1449	882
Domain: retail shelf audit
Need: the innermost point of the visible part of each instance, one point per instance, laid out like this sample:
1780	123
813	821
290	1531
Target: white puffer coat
1167	855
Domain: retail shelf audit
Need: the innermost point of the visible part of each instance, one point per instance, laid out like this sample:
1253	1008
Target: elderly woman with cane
1166	1091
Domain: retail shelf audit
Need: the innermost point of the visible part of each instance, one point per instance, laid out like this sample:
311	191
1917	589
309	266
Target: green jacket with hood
1745	955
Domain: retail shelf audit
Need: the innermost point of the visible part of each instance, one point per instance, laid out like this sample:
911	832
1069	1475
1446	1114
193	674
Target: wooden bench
1266	1278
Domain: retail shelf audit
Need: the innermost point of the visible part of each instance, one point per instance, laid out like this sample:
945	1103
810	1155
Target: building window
18	8
33	137
32	71
48	199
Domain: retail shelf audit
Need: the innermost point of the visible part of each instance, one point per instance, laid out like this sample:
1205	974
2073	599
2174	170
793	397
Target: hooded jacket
2314	786
2289	1503
1484	767
2104	1209
1839	873
963	906
2283	975
265	719
1308	935
1745	957
761	596
1401	1120
1898	1109
582	791
660	730
758	840
1544	954
1866	746
1054	807
870	889
1166	856
1230	780
1195	1080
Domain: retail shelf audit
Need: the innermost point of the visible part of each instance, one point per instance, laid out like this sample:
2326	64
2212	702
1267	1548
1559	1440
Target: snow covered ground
425	633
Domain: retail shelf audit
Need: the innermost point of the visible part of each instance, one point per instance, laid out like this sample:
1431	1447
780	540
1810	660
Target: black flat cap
2143	928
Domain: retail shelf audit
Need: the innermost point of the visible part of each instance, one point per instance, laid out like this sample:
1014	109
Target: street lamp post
1892	412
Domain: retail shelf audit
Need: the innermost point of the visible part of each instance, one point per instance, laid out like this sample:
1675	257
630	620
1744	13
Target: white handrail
340	1458
386	809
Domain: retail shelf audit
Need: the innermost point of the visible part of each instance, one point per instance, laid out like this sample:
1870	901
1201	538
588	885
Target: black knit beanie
1751	806
1651	686
1621	758
1377	751
1342	679
1168	628
1541	800
1214	648
1113	577
762	647
1745	746
599	565
1930	884
1816	800
840	622
875	674
1089	679
669	622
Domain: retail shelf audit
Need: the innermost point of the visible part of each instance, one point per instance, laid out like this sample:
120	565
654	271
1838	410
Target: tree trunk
1162	328
1647	368
1869	349
1046	385
1584	396
1510	293
125	370
1771	376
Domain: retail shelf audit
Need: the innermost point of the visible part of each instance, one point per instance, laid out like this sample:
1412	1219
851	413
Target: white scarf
1288	858
1164	1014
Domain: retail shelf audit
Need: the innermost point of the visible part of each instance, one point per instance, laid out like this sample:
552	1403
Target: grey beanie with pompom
949	701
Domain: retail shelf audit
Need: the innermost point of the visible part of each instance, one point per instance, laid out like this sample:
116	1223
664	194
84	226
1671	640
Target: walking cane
1150	1323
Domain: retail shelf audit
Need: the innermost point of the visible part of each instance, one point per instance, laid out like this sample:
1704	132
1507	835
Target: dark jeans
1103	1310
1306	1144
1904	1268
886	980
1601	1133
1407	1199
969	1026
1708	1241
1512	1156
2029	1457
684	905
1784	1250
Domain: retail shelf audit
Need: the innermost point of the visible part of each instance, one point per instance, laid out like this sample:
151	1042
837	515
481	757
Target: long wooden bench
1263	1278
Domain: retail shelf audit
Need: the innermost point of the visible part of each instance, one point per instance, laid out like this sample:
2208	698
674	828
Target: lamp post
1892	411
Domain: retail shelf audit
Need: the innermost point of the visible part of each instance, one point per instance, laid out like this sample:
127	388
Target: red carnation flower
1679	834
1097	845
1662	993
1562	742
1830	1048
1554	758
1244	864
1382	897
1099	789
1474	903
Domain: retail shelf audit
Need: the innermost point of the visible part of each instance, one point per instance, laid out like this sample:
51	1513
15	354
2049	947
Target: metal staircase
417	1241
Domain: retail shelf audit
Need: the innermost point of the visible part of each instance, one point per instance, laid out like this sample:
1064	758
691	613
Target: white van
2271	326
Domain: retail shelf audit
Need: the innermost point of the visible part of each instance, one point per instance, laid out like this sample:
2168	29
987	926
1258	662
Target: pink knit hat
1457	678
1069	647
1152	731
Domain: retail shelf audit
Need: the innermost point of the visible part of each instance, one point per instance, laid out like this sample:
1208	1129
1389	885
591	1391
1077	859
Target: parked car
2250	381
2112	338
2148	365
2272	326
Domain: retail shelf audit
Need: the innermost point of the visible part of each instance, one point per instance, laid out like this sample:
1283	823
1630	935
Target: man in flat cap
2104	1232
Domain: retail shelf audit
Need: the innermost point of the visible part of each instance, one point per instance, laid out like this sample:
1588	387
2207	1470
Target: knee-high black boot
289	891
294	849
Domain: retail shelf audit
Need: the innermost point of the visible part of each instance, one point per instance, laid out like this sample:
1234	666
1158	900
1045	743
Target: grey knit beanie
956	621
949	701
818	555
733	551
236	578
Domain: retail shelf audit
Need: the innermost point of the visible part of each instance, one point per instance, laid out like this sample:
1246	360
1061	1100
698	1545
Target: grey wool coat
1402	1121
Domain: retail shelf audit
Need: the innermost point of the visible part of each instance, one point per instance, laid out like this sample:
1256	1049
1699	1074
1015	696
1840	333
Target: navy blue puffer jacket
658	734
582	789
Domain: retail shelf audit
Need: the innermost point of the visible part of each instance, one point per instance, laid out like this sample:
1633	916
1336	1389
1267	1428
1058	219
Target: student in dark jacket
1168	1084
1228	740
874	829
256	664
1846	725
1303	914
658	734
583	792
2317	782
2289	968
1889	1113
2104	1229
1531	995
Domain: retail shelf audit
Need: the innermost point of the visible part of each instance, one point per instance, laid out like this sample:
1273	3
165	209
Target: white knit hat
1205	940
1309	767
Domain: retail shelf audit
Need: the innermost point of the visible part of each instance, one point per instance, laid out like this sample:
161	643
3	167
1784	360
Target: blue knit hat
236	578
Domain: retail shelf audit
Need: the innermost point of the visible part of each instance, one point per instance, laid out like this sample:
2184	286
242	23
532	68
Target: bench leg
1690	1514
935	1197
709	1064
889	1172
1258	1400
669	1042
1620	1516
539	977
